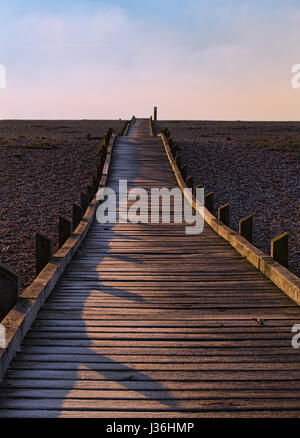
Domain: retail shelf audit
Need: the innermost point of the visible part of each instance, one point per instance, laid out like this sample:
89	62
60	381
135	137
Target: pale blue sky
217	59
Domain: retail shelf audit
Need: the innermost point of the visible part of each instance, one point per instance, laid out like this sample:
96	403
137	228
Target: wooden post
43	251
90	192
102	157
94	183
150	126
9	289
99	171
246	228
189	182
100	164
223	214
84	202
76	216
172	145
184	171
280	249
64	230
171	142
178	161
166	133
209	201
199	186
155	113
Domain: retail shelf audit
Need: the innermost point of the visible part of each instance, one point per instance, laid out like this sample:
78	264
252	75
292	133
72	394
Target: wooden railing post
94	183
99	171
76	216
166	133
9	289
184	171
43	251
246	228
171	142
280	249
199	186
90	192
84	202
64	230
173	150
178	161
172	145
151	126
209	201
189	182
223	214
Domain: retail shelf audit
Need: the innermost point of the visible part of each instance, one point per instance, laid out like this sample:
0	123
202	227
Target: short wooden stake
246	228
280	249
199	186
103	157
171	142
64	230
155	113
178	161
90	192
99	171
94	183
84	202
166	133
9	290
209	201
43	251
184	171
189	182
76	216
223	214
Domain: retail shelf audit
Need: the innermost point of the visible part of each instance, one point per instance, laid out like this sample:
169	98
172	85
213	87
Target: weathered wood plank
159	405
157	359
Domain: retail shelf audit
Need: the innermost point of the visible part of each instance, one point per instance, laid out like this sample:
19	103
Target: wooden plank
149	336
151	385
81	372
159	405
73	413
194	394
199	323
157	359
141	367
236	350
175	331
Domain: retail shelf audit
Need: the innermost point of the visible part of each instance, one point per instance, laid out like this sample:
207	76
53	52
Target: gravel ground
252	165
44	166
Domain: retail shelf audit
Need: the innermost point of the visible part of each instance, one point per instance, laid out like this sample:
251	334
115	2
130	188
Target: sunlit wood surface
148	321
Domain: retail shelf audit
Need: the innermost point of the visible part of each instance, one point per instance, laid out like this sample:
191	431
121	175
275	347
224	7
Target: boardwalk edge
285	280
19	320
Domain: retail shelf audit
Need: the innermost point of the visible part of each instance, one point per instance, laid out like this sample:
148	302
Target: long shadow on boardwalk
127	374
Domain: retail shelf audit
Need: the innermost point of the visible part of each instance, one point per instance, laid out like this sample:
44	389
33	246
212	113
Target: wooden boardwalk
148	321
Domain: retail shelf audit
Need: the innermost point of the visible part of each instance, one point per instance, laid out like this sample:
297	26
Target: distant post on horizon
155	113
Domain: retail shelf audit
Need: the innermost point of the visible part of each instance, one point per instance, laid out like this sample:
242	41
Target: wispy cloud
212	59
